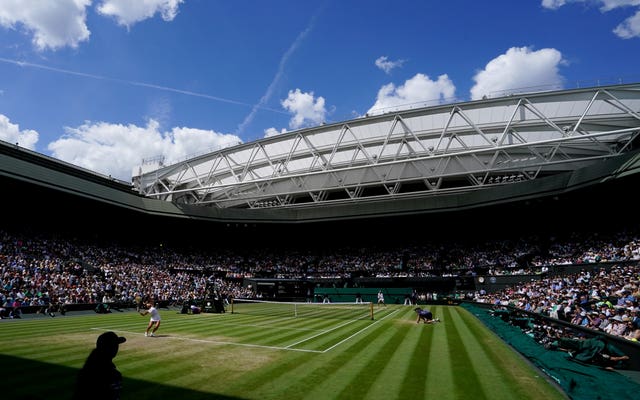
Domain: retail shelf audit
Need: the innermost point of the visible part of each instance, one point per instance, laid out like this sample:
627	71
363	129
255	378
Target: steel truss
461	147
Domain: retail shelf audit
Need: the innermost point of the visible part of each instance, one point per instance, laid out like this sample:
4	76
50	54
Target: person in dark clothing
425	316
99	379
597	351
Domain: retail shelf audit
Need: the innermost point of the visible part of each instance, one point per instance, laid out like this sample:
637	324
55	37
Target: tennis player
425	315
381	298
154	322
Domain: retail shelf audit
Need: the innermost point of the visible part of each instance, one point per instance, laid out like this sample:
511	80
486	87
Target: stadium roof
428	160
448	156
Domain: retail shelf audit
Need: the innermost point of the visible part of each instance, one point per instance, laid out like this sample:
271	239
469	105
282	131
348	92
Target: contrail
276	79
134	83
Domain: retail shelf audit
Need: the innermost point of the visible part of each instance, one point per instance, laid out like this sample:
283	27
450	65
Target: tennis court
254	353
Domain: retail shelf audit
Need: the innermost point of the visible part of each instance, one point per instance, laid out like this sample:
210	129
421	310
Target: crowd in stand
49	272
605	301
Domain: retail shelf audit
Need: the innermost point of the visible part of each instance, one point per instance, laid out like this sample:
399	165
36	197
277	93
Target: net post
295	310
371	310
231	305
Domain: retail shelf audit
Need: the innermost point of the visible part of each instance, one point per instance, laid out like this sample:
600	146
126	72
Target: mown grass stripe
224	324
228	343
32	349
252	383
184	362
23	374
353	378
306	377
249	328
507	364
463	375
440	381
350	336
306	339
413	384
371	370
290	338
397	366
481	359
331	340
166	367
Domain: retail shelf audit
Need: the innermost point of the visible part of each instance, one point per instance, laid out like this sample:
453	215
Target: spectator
99	378
597	351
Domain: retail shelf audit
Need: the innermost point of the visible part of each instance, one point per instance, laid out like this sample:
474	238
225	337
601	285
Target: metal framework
454	148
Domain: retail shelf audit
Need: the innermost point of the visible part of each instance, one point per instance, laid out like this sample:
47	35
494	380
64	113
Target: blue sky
104	84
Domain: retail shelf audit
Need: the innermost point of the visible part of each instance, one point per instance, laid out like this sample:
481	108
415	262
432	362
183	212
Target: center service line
321	333
360	331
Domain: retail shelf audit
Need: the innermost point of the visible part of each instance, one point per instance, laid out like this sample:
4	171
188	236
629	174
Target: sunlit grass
245	356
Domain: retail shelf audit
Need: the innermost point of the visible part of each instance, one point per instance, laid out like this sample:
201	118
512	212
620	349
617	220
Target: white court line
288	348
340	326
213	341
322	333
264	326
360	331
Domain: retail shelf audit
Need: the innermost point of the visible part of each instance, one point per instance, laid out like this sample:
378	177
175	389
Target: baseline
187	339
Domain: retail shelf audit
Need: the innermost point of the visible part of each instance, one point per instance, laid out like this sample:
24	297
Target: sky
109	84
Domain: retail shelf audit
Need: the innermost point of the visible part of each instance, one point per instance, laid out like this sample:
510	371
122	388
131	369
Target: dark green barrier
340	295
579	381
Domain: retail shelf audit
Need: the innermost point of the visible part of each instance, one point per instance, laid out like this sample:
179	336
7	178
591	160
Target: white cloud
605	5
608	5
553	4
629	28
53	23
115	149
386	65
307	110
273	132
11	133
519	68
419	89
128	12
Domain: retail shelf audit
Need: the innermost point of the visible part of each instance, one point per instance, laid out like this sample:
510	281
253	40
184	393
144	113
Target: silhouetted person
99	379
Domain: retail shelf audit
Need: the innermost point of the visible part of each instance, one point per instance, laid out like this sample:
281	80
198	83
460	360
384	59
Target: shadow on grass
33	380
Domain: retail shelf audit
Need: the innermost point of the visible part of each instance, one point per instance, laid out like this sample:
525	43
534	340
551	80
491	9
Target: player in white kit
154	322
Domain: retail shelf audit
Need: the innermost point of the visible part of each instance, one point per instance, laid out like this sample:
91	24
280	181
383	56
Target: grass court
274	354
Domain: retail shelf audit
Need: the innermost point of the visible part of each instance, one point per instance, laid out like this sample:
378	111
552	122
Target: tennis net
303	310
